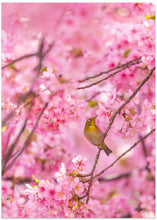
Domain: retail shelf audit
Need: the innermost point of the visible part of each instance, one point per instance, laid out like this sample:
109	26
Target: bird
95	135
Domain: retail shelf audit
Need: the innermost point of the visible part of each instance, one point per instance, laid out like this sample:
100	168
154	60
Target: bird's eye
89	120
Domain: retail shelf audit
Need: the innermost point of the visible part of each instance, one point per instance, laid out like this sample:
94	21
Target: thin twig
123	154
28	139
127	101
7	155
110	70
119	176
18	180
93	96
143	147
8	116
19	59
111	165
127	215
107	77
41	55
21	99
92	173
115	177
144	152
122	106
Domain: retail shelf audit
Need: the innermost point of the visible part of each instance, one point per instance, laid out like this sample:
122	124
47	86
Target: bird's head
90	121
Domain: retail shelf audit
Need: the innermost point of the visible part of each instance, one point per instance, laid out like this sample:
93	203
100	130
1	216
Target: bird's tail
107	150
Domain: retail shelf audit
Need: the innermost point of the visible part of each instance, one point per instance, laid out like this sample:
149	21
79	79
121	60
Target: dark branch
143	146
7	155
127	101
27	140
91	179
18	180
123	154
120	176
112	69
92	173
107	77
105	134
144	152
115	177
21	99
19	59
41	55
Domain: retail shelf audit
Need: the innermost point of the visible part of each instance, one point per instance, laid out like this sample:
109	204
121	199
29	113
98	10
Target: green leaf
12	66
126	53
36	180
150	17
70	174
77	52
27	131
93	103
4	128
132	111
44	69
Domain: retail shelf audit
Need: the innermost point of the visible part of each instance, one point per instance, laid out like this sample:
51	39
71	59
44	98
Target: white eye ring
89	120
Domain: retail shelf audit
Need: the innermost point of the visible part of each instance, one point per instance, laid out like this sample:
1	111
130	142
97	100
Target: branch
18	180
9	116
120	176
93	96
115	177
26	141
143	146
7	155
111	165
21	99
19	59
122	106
38	53
110	70
41	55
127	215
107	77
123	154
127	101
92	173
91	179
144	152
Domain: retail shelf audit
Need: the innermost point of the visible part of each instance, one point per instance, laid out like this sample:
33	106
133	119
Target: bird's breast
94	136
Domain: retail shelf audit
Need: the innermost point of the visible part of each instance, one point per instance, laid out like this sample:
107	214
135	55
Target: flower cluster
62	196
60	66
59	197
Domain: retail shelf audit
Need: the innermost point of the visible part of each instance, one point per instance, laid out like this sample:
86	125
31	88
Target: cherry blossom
62	64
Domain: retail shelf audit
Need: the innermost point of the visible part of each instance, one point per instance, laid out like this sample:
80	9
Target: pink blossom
77	186
62	174
107	48
151	164
79	160
69	214
42	188
60	195
147	203
50	191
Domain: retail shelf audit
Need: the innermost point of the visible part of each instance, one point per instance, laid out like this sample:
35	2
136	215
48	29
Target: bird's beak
95	116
